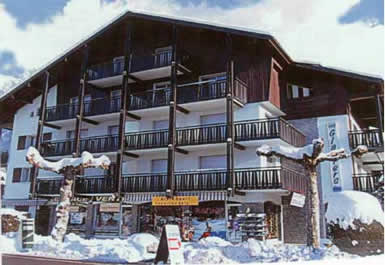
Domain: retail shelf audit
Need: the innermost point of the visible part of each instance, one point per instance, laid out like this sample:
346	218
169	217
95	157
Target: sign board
297	200
175	201
170	249
333	144
110	207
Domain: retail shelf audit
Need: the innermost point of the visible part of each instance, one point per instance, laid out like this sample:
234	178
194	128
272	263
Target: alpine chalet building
180	108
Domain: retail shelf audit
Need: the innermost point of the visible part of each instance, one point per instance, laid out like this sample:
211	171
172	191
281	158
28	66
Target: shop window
77	220
128	221
297	92
108	218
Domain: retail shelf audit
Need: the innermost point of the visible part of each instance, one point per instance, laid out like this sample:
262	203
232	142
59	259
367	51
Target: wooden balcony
48	186
99	144
142	67
366	182
187	93
371	138
261	178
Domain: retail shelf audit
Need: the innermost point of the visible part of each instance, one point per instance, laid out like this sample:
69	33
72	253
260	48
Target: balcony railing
95	185
146	139
194	180
366	182
99	144
138	63
48	186
370	138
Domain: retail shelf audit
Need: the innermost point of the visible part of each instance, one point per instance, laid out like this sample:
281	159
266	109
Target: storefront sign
110	207
297	200
90	199
175	201
333	144
170	246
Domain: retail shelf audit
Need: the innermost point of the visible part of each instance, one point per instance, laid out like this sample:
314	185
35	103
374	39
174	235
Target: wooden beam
56	127
183	69
181	109
373	162
239	146
238	103
101	89
90	121
21	100
130	154
182	151
369	118
133	116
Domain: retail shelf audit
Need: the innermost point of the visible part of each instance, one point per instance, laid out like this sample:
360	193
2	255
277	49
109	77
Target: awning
25	202
145	197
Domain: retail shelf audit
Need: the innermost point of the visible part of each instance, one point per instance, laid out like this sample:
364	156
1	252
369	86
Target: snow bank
213	250
132	249
345	206
13	212
87	160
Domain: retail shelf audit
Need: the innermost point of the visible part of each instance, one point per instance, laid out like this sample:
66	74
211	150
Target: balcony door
212	162
163	56
160	94
158	166
74	105
213	128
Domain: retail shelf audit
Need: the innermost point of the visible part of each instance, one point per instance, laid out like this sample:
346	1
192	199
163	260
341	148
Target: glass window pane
306	92
295	91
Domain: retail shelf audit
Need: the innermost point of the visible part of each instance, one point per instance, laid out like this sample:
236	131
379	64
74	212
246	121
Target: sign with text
170	249
175	201
297	200
110	207
333	144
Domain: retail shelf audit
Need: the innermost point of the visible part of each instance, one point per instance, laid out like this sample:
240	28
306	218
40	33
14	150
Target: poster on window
333	144
77	218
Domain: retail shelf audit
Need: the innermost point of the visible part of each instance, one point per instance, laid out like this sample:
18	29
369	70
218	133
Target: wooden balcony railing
99	144
195	180
95	184
146	139
48	186
366	182
144	183
370	138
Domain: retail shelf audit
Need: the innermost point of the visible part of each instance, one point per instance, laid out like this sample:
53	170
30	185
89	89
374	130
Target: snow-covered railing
371	138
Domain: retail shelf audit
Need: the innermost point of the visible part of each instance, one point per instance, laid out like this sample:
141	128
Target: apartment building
180	107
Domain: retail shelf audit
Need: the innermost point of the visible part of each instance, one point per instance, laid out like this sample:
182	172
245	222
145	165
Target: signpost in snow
170	249
310	156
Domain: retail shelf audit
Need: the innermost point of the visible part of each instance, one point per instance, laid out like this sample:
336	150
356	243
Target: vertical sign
170	249
333	144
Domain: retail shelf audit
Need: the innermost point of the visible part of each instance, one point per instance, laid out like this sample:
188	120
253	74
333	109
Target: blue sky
29	14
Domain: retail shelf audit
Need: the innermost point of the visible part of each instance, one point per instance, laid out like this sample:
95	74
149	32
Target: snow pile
86	160
346	206
132	249
12	212
214	250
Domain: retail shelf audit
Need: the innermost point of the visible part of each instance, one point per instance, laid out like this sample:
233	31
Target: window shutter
21	142
16	175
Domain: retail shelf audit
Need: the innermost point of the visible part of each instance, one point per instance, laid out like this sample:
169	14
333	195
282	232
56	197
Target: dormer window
296	92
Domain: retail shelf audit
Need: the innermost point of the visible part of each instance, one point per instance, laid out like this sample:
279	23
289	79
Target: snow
13	212
132	249
345	206
213	250
87	160
354	243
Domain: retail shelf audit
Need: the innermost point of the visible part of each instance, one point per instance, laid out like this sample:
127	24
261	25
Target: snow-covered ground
346	206
212	250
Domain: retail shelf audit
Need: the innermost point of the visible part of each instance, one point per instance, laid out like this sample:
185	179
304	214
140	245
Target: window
295	91
213	118
71	134
213	162
113	130
159	166
160	93
118	63
163	56
160	125
25	141
21	174
213	85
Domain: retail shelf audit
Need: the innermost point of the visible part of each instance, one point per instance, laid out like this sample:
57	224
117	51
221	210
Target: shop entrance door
273	220
127	222
42	220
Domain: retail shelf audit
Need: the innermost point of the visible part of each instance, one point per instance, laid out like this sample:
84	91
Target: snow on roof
346	206
87	160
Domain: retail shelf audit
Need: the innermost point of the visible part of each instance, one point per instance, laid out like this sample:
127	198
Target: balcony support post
39	134
380	118
123	109
172	117
230	117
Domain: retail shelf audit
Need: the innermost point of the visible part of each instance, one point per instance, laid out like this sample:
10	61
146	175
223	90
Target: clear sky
330	32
